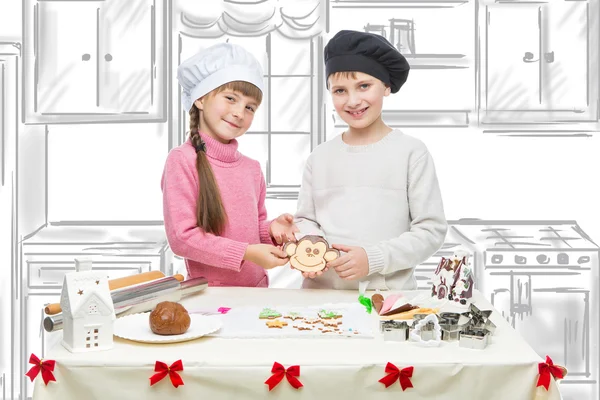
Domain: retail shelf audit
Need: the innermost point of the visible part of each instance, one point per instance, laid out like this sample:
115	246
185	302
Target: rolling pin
141	298
113	284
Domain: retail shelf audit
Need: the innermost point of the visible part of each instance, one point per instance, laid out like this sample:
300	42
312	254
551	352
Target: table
349	368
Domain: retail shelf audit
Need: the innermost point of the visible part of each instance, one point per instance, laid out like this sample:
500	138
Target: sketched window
280	136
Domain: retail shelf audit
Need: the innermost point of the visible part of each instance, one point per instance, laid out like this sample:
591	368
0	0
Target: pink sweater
243	190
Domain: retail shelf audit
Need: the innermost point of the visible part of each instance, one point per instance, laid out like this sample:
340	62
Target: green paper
365	301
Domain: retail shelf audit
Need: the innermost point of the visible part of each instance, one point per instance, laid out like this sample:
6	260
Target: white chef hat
216	66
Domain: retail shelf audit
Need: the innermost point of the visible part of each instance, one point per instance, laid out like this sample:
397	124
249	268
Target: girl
213	196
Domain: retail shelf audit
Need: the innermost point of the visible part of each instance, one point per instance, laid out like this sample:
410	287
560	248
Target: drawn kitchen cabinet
437	41
94	61
537	66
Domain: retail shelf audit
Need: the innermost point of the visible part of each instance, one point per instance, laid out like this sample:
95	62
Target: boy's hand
266	255
283	229
352	265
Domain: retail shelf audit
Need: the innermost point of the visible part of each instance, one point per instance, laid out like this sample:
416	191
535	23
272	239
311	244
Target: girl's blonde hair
210	212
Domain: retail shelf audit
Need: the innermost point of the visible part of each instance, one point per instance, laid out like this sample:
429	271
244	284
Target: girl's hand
283	229
313	275
352	265
265	255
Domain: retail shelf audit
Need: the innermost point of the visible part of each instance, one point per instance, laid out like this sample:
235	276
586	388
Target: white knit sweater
384	197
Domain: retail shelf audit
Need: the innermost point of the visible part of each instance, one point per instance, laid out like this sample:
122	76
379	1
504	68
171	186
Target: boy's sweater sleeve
428	224
185	238
263	222
305	218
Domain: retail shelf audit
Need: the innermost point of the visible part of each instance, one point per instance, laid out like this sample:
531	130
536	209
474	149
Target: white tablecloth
349	368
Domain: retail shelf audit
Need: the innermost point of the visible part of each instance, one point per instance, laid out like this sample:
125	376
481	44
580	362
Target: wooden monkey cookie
310	254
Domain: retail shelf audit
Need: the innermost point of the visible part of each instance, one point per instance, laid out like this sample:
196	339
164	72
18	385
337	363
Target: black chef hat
368	53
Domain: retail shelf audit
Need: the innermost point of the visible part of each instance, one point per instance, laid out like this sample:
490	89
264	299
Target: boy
372	191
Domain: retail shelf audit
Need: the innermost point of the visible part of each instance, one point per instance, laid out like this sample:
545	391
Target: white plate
136	327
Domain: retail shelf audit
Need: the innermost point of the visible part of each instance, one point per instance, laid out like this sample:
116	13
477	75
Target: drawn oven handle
528	58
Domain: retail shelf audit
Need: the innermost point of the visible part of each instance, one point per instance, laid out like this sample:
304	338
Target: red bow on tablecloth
46	367
279	371
546	369
393	373
163	370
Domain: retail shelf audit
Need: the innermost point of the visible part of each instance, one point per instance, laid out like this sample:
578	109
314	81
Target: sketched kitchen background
504	94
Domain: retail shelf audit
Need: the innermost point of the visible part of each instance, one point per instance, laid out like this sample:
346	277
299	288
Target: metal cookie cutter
394	330
426	330
473	338
481	319
452	324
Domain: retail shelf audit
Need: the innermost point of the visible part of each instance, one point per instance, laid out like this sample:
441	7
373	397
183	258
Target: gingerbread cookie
332	322
312	320
303	328
276	323
269	313
293	316
329	314
310	254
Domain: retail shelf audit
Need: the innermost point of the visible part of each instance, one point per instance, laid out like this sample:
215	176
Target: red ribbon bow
46	367
163	370
279	371
393	373
546	369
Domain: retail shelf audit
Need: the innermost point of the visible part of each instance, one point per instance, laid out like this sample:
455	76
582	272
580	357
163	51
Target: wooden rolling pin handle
53	309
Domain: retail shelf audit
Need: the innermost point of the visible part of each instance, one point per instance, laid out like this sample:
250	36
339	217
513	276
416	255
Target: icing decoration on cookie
269	313
310	254
293	316
328	314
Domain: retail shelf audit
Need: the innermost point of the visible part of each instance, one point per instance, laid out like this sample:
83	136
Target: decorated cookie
276	323
312	321
269	313
293	316
310	254
303	327
332	322
329	314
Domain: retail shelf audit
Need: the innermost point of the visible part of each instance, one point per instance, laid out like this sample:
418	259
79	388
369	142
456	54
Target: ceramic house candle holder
473	338
452	323
87	309
396	331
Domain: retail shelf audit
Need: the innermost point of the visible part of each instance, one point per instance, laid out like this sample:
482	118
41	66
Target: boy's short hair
349	75
343	74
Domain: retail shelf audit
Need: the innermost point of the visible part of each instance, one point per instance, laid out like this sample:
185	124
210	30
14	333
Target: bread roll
169	318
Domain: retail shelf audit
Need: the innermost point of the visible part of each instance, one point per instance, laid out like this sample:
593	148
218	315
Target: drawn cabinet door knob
528	57
549	57
85	57
108	57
